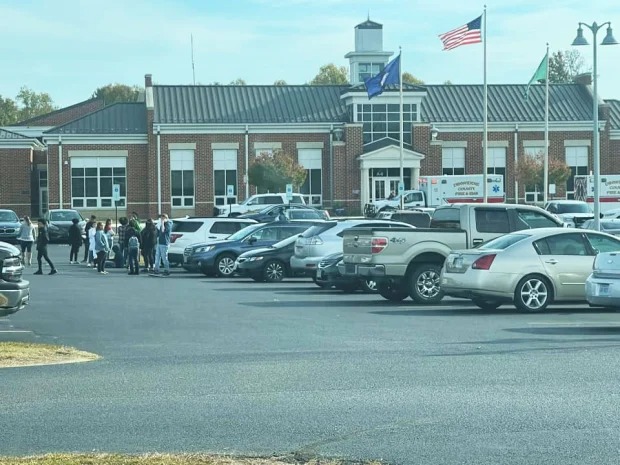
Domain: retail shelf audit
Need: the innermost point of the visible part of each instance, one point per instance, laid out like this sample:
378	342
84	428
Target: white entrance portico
380	172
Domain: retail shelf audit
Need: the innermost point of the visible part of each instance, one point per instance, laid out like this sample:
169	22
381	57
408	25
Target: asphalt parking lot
191	363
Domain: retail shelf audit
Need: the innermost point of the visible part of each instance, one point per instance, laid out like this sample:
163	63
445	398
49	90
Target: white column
415	178
364	194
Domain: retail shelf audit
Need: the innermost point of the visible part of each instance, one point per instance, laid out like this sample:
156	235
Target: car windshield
243	233
67	215
8	217
573	208
285	242
503	242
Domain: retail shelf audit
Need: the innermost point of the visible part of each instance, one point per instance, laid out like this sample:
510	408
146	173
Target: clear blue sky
68	48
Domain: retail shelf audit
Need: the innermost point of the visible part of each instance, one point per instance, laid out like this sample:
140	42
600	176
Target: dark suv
14	291
218	258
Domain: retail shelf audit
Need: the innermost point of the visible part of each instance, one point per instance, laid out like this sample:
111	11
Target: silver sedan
603	285
531	268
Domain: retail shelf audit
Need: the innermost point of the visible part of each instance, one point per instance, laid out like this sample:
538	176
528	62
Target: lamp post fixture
608	40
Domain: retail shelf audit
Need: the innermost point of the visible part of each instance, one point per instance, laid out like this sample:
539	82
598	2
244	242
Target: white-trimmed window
534	193
182	178
577	160
496	161
92	179
224	174
452	160
312	188
383	120
367	70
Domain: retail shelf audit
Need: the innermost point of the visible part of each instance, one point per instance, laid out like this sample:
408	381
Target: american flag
464	35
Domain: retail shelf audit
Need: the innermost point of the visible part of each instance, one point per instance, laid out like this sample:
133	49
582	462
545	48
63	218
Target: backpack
133	242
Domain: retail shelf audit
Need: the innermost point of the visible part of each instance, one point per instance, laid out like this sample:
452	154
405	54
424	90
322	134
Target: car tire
391	293
224	265
274	271
533	294
489	305
369	286
423	281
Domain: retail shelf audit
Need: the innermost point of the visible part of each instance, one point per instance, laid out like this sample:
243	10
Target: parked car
9	226
603	284
328	275
614	213
270	264
14	291
219	257
530	268
572	212
292	212
324	239
59	222
189	231
610	226
256	203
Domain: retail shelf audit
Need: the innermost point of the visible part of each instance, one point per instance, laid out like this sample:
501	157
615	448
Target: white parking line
574	323
13	331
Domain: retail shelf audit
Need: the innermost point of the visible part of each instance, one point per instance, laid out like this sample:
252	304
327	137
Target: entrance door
378	189
43	194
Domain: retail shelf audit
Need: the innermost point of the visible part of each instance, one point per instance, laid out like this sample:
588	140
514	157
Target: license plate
603	289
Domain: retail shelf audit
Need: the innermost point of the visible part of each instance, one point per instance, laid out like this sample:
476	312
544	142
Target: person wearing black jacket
91	224
75	240
43	239
148	240
132	245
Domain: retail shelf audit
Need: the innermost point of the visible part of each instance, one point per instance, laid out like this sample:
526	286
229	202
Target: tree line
563	67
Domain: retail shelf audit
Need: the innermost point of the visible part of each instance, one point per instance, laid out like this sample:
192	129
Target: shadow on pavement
463	311
321	304
601	330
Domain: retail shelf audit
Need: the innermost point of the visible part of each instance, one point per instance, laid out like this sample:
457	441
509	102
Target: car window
303	215
243	233
528	219
265	234
297	199
573	208
273	200
291	231
8	216
562	244
224	227
64	216
503	242
446	218
413	197
602	243
492	221
180	226
318	229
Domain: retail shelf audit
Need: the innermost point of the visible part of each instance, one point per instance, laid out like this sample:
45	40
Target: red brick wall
15	180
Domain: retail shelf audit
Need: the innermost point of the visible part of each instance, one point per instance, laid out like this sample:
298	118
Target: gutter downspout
247	162
60	202
516	147
159	212
331	167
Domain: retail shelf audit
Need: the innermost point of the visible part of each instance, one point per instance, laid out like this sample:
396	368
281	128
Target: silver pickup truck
407	262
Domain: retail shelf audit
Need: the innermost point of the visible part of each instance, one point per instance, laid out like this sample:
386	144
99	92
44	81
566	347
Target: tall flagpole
485	121
402	130
546	160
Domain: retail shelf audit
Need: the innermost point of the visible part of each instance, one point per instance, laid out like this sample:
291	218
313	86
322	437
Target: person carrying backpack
132	245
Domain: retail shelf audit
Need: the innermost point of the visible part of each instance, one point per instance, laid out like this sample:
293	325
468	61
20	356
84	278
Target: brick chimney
583	78
148	86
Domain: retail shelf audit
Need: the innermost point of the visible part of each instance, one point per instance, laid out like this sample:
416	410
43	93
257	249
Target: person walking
91	246
164	231
75	240
89	225
133	249
102	247
148	240
26	237
43	239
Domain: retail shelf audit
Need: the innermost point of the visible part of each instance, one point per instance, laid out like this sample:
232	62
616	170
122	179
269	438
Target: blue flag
389	76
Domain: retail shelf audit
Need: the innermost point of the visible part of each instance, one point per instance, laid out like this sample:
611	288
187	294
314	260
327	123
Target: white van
189	231
256	203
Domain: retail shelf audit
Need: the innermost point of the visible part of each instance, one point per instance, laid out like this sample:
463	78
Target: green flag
539	76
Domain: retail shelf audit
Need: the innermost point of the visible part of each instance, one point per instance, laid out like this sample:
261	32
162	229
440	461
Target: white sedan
531	268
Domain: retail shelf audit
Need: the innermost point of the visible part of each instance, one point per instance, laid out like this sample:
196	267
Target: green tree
238	82
565	65
331	74
273	171
448	83
530	171
409	78
9	113
33	103
279	82
113	93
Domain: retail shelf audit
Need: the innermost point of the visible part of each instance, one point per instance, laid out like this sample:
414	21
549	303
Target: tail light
174	237
378	244
483	263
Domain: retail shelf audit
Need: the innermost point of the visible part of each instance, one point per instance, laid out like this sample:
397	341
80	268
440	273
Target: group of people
151	242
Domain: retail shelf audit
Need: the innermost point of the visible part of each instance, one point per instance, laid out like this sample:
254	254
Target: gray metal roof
249	104
119	118
10	135
368	24
614	113
385	142
506	103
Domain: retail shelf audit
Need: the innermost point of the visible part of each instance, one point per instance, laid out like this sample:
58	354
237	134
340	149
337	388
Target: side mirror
252	240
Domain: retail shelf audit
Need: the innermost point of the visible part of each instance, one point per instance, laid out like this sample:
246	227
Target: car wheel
225	265
486	304
369	286
274	271
424	284
533	294
391	293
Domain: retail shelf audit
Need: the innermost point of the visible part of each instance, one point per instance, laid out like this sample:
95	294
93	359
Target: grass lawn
18	354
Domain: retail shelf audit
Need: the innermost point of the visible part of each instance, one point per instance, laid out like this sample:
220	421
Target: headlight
254	259
204	249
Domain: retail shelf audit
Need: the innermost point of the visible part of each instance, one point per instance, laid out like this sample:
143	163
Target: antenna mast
193	69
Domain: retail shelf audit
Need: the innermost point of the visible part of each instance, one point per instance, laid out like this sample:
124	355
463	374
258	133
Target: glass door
378	189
